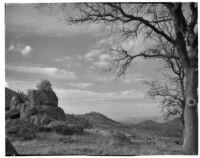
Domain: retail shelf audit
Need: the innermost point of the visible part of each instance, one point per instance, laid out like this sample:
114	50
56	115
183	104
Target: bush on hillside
21	129
44	85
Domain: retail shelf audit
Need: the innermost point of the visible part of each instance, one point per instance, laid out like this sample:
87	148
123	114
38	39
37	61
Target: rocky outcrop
15	101
42	115
10	150
9	94
40	110
41	97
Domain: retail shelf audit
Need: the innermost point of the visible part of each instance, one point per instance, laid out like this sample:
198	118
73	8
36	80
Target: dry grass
98	142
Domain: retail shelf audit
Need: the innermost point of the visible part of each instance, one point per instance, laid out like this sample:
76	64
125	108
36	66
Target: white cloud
133	94
25	50
47	71
104	78
80	57
132	78
80	84
66	58
90	56
101	64
98	58
11	48
6	84
105	57
104	60
92	96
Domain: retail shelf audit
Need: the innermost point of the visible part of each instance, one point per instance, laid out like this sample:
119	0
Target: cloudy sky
40	45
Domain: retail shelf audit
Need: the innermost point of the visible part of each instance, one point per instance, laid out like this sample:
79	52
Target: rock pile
41	109
40	112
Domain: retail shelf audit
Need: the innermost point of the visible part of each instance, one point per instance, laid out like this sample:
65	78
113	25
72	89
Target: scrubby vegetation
98	142
44	85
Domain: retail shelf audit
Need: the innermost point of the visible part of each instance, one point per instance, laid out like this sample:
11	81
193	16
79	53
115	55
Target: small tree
44	85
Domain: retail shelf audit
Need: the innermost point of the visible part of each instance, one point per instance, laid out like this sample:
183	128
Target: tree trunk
190	144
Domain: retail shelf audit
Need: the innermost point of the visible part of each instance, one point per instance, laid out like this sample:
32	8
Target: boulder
42	115
20	129
41	97
8	97
26	111
49	98
45	121
10	150
64	128
34	97
12	114
15	101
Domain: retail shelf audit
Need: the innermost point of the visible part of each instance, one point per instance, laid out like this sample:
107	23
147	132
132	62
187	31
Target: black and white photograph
101	78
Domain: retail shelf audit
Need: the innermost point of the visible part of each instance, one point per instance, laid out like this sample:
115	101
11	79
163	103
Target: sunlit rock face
9	94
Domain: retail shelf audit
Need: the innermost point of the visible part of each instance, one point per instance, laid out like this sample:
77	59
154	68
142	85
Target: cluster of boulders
36	112
40	110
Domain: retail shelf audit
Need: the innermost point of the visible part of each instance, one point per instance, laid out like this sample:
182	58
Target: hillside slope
148	125
100	120
95	119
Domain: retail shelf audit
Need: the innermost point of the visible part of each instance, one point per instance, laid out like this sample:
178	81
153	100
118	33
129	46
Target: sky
39	44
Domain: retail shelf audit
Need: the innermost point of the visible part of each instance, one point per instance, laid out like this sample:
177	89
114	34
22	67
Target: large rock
12	114
10	150
20	129
41	97
15	101
9	94
42	115
64	128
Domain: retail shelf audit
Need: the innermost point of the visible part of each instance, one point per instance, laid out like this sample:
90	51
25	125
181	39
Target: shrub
21	129
44	85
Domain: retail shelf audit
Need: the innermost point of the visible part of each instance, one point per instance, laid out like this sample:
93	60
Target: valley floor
99	142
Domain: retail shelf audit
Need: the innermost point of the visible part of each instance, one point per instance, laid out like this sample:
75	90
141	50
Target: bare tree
148	20
170	97
171	93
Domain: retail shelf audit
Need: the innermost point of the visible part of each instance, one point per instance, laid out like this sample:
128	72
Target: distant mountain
148	125
170	128
95	119
136	120
100	120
